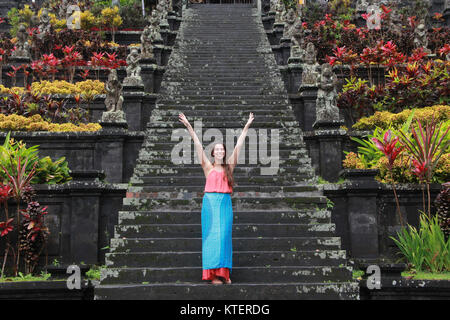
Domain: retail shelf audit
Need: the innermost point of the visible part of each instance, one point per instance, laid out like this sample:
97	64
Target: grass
29	277
321	180
94	272
421	275
357	274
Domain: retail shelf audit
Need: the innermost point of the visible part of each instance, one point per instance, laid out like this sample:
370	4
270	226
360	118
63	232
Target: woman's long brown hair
225	166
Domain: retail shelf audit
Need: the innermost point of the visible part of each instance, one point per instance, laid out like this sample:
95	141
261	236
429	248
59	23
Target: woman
217	210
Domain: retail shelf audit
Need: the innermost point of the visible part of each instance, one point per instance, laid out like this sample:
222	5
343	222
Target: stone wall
112	151
81	218
365	213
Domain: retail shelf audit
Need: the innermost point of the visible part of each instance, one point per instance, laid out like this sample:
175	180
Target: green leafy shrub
427	248
47	171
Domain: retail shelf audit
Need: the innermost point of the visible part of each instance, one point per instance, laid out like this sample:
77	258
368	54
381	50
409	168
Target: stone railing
365	213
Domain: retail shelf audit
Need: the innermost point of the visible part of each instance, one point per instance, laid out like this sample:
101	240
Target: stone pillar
285	45
268	20
362	213
110	150
330	139
157	51
84	220
294	71
134	109
278	29
148	67
307	112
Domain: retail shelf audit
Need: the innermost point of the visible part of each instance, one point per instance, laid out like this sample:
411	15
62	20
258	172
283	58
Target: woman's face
219	152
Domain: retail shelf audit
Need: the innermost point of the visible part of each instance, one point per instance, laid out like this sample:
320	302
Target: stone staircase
284	244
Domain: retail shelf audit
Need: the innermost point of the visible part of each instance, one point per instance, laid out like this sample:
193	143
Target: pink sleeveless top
217	182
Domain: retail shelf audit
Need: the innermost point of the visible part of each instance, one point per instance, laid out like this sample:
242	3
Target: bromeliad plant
391	151
426	146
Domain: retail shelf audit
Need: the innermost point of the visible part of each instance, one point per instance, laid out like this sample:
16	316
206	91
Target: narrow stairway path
284	244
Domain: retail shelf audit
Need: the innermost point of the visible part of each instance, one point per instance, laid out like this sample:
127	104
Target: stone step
275	124
239	275
221	87
221	75
293	187
260	93
289	137
196	175
226	63
277	114
166	161
282	155
239	244
242	201
239	230
286	144
199	73
258	122
168	180
232	97
215	81
241	291
193	217
194	171
208	67
230	107
240	259
223	78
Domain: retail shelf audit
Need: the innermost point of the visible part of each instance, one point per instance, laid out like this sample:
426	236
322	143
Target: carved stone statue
22	46
361	6
114	99
162	12
297	45
311	69
44	27
154	23
133	69
326	103
169	5
62	13
421	36
279	11
146	43
396	22
291	18
273	4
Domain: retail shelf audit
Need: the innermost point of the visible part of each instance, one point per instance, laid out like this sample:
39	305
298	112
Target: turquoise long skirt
217	223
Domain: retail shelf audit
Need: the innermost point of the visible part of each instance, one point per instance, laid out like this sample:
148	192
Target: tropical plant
52	172
426	148
391	151
426	248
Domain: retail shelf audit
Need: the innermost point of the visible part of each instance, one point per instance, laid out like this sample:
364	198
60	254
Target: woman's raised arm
203	159
232	160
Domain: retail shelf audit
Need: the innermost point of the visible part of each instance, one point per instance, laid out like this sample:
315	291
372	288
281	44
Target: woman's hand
250	119
183	119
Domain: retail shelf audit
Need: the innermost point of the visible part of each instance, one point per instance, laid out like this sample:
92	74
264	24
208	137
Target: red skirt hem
209	274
